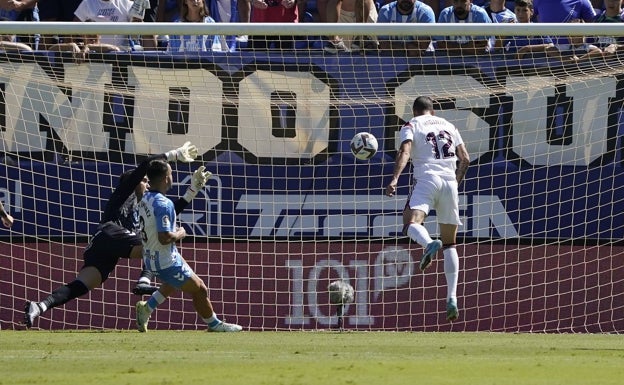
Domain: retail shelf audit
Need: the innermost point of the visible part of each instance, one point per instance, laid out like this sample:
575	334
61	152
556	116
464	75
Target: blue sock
156	299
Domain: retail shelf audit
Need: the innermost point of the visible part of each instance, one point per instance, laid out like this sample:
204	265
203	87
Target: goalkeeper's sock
63	295
419	234
156	299
451	270
212	321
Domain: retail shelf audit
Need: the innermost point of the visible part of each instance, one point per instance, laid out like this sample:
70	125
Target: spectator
226	11
10	43
522	45
612	13
577	48
57	10
499	13
114	11
244	16
405	11
19	10
350	11
463	11
563	11
273	11
162	11
195	11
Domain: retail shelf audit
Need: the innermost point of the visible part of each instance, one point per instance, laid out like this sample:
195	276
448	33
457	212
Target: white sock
451	271
144	280
419	234
212	321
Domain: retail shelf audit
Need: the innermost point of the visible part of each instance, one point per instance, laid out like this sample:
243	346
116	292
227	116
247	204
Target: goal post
289	208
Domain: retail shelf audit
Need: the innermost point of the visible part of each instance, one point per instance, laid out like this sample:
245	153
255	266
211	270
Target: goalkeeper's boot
452	313
226	327
144	289
31	311
142	316
430	251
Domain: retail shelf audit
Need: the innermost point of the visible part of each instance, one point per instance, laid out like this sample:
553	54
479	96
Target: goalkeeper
117	235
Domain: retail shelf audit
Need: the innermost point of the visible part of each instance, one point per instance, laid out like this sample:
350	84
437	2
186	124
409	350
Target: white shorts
439	194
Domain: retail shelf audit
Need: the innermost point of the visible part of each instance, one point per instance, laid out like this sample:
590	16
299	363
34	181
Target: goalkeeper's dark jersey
121	206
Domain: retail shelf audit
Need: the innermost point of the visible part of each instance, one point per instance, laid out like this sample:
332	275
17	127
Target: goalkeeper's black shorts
110	243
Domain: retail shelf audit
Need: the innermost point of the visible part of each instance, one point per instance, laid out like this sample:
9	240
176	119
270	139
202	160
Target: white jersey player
160	254
440	161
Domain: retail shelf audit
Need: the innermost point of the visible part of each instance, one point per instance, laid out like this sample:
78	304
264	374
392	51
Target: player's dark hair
125	176
157	169
422	104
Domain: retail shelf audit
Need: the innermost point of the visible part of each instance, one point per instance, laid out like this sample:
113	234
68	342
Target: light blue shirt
504	16
475	15
156	215
191	43
422	13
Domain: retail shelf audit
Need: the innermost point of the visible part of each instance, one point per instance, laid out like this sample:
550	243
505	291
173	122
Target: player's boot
452	312
142	316
31	311
144	289
226	327
430	251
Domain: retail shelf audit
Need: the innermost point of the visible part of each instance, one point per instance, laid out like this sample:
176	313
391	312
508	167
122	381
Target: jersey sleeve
407	132
125	189
458	138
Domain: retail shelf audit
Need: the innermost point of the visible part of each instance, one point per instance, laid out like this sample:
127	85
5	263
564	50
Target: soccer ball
364	145
340	292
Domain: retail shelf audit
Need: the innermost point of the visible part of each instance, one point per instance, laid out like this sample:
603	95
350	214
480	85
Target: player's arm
463	162
164	221
7	219
198	181
186	153
167	237
402	158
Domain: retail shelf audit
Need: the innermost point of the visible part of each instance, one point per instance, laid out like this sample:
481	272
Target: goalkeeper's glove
198	181
187	153
137	11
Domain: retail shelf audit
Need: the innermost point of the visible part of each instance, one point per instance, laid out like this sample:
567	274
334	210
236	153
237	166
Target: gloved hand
198	181
187	153
137	11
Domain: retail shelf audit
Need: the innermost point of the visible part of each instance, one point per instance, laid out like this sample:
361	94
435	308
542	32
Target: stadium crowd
295	11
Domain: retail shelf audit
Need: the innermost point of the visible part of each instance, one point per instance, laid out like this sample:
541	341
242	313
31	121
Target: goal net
289	208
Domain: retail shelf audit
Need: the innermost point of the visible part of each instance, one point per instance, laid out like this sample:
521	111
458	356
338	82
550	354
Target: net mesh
290	209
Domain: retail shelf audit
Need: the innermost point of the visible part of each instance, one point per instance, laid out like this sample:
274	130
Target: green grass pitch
319	358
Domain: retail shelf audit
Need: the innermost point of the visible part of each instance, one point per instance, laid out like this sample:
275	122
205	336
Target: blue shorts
175	275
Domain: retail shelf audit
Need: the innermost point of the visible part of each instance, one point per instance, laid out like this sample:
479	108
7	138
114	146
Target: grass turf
380	358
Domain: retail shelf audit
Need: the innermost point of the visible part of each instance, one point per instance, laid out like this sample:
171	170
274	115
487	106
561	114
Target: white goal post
290	209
